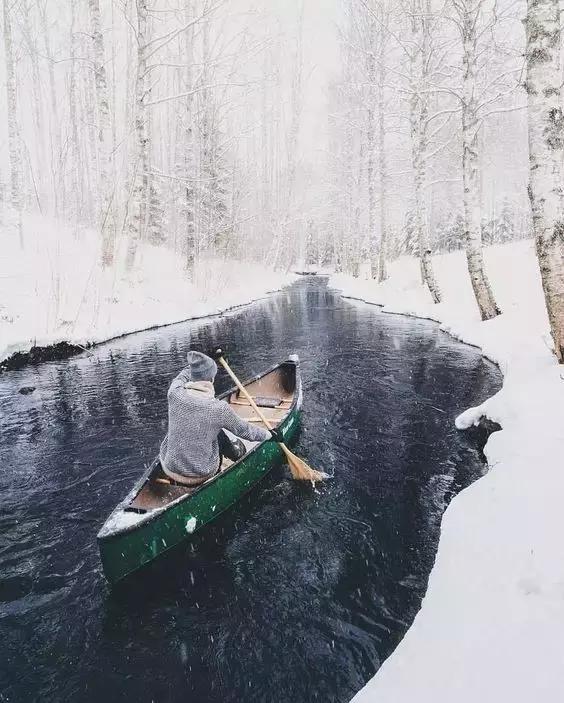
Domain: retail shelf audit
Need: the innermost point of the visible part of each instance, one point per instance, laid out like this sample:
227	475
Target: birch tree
76	166
28	33
379	271
371	246
546	150
420	58
14	143
360	114
345	176
89	134
138	206
283	244
375	49
58	185
469	13
105	217
185	147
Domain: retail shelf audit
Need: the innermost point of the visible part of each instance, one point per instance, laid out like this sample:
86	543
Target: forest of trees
155	122
181	124
422	83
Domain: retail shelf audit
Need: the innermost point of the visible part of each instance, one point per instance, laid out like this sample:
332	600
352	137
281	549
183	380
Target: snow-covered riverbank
54	290
491	627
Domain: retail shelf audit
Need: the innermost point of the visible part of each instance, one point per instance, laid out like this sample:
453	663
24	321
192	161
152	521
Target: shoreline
491	623
56	297
65	349
415	316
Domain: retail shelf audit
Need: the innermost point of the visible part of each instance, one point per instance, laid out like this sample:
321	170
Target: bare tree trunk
138	216
92	193
546	147
55	127
76	166
265	155
114	106
29	37
381	273
471	10
356	254
14	143
184	192
348	221
283	248
126	163
105	217
419	111
372	238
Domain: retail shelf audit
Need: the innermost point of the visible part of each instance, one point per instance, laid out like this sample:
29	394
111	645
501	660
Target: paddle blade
300	470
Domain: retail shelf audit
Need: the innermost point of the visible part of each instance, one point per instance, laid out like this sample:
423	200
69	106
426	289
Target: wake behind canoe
156	516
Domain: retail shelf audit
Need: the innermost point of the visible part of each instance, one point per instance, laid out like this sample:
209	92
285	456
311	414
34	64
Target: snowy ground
491	627
55	291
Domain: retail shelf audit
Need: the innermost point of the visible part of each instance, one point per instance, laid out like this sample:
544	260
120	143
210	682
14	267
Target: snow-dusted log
546	147
14	144
469	12
105	218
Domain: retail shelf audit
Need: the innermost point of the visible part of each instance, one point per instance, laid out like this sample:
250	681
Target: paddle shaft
244	391
300	470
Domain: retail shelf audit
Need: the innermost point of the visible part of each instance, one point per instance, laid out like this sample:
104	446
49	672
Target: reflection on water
296	594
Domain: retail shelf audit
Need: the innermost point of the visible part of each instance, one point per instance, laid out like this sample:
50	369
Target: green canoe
157	515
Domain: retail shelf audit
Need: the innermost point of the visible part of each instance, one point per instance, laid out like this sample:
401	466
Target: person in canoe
196	443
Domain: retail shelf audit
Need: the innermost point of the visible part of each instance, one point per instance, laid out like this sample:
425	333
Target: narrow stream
295	594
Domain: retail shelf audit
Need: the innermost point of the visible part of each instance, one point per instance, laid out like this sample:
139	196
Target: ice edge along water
491	625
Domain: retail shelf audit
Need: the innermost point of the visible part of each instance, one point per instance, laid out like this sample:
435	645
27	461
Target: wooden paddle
300	470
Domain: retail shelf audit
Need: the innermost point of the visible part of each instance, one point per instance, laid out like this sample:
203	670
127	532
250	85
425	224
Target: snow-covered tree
505	225
105	216
14	143
184	190
138	205
381	271
469	16
56	165
420	65
156	214
449	235
546	153
501	228
409	239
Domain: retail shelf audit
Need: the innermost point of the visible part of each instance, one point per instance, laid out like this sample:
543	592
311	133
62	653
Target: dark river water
297	593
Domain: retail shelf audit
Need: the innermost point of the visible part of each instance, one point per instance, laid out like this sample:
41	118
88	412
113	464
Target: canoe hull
127	551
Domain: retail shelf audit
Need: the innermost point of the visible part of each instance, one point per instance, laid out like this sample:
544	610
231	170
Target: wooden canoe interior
273	393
